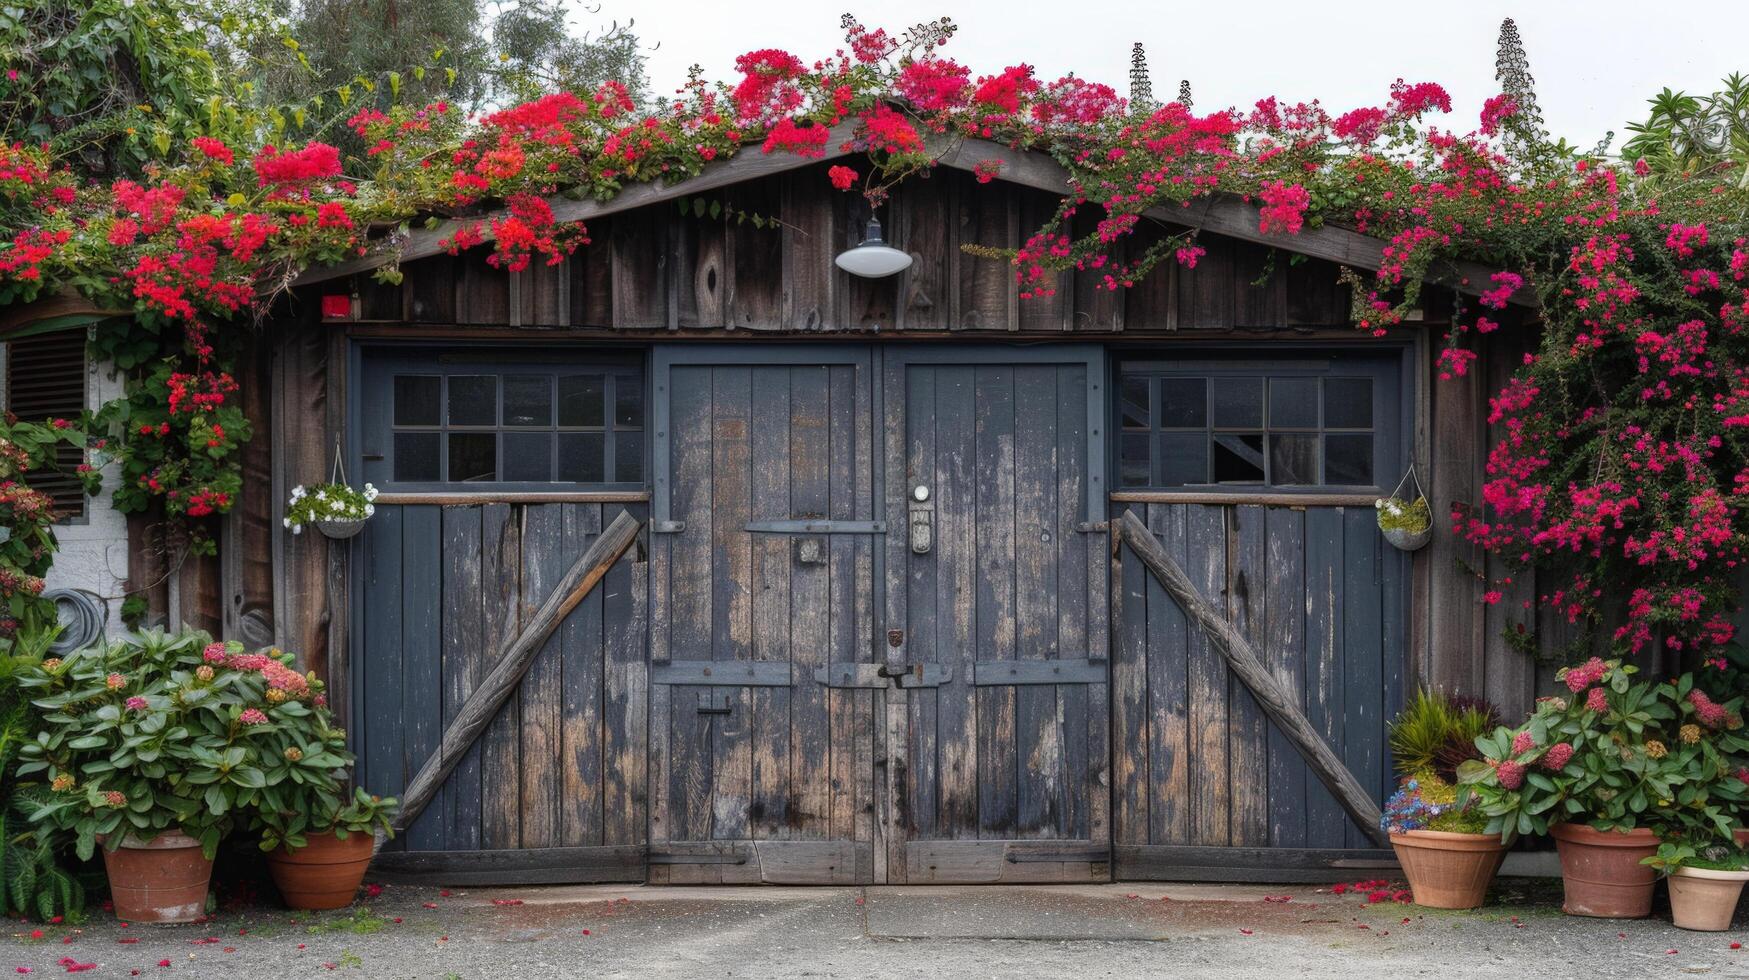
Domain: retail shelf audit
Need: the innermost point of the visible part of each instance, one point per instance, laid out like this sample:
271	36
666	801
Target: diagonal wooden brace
515	655
1281	706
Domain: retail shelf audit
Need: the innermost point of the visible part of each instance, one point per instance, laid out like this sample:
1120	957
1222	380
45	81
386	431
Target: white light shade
873	258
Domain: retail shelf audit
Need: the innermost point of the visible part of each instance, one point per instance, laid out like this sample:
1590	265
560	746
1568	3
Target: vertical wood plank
997	756
732	583
1135	740
842	629
1249	746
956	625
626	699
541	692
1326	659
464	643
1295	664
809	494
690	603
425	692
1038	536
1363	650
770	439
500	745
582	759
383	736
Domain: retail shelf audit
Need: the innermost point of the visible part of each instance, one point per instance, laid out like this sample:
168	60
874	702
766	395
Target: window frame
1386	366
377	366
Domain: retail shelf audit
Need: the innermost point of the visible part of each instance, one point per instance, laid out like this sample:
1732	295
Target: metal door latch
922	521
714	703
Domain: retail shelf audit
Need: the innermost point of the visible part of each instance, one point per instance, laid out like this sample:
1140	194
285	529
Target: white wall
94	551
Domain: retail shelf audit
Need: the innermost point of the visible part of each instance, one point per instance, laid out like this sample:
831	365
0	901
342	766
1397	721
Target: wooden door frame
1023	860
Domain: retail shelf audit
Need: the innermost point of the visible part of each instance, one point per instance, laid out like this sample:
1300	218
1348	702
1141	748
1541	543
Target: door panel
1000	769
763	774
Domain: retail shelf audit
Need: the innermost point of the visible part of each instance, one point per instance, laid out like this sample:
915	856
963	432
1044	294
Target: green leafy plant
1396	514
158	731
33	879
1620	753
328	502
308	768
1435	733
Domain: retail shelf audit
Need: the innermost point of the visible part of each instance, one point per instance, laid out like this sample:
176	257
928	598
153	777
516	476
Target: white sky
1595	62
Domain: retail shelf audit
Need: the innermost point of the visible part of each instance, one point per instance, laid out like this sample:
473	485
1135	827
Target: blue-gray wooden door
760	771
997	569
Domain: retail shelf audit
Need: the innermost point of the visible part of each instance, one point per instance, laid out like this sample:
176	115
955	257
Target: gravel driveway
1126	931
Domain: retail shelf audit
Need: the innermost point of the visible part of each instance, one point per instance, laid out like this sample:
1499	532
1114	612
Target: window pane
1348	460
1238	458
581	457
628	400
1184	458
1184	402
628	452
528	400
580	400
528	456
1293	403
1239	403
416	399
416	457
1133	460
473	400
1293	460
473	456
1348	403
1133	402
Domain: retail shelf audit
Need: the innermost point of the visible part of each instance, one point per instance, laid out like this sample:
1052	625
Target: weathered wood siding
563	763
1324	600
661	270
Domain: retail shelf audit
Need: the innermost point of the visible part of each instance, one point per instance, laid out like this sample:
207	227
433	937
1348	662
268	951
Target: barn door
996	615
762	737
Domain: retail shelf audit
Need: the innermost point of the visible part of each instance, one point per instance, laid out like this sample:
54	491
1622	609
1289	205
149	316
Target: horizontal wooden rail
515	655
1277	702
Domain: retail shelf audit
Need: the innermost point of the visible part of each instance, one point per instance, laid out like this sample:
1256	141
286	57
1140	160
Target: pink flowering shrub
1629	753
185	734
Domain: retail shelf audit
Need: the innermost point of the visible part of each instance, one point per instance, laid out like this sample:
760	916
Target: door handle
922	522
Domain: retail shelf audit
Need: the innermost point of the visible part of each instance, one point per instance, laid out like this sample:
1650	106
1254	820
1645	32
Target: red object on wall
337	307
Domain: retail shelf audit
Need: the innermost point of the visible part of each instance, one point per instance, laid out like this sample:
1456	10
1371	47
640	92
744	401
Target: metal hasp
910	676
721	673
714	703
991	673
883	676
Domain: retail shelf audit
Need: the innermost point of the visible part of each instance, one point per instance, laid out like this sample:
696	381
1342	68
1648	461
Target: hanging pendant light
873	257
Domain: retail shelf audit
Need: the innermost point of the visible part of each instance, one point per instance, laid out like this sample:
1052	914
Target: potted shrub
1441	843
321	865
1440	839
1705	882
319	839
1586	770
149	747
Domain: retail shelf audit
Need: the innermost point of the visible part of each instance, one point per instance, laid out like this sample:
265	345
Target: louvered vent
45	379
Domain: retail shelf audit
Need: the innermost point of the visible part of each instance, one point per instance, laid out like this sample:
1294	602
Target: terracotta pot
1703	899
160	880
1447	870
1601	873
325	873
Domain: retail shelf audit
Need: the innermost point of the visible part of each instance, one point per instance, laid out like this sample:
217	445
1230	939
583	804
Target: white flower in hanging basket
337	510
1406	524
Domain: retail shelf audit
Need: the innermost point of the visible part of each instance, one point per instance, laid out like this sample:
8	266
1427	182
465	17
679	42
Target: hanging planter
1405	521
337	510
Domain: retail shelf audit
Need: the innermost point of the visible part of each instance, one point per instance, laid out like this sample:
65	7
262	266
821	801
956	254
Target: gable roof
1221	214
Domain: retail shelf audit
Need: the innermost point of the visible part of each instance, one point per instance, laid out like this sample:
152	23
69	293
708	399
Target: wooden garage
882	620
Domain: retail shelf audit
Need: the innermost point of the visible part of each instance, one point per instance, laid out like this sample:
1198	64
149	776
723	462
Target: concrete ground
937	933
